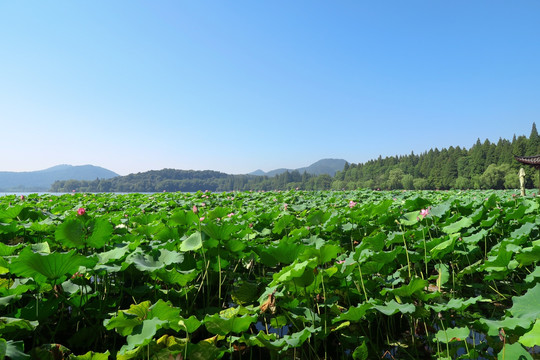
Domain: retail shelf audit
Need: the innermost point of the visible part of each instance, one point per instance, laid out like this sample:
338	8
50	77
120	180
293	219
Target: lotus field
270	275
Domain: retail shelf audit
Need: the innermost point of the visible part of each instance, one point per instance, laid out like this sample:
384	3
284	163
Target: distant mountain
324	166
42	180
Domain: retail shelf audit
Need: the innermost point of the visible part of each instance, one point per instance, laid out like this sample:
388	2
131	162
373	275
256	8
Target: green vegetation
484	166
270	275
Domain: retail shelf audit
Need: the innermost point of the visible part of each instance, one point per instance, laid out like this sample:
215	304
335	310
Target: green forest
486	165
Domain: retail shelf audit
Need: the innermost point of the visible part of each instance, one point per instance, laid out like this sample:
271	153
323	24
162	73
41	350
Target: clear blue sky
239	85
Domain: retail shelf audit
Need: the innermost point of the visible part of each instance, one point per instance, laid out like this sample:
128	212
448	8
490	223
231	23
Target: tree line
485	165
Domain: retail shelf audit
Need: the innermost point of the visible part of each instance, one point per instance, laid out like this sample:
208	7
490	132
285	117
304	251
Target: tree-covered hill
486	165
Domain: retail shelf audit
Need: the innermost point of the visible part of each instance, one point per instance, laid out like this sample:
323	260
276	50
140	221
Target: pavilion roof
533	161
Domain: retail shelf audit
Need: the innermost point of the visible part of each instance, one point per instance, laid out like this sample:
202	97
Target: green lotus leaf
532	337
514	351
173	276
452	334
410	218
192	243
355	313
282	223
219	232
15	350
92	356
154	260
361	352
142	334
53	267
414	286
526	306
11	325
392	307
456	304
509	323
523	231
457	226
216	324
190	324
295	270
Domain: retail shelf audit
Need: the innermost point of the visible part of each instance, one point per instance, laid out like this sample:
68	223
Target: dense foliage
484	166
280	275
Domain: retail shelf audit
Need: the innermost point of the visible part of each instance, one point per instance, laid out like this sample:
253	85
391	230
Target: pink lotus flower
22	197
195	210
201	219
230	215
352	204
285	207
424	213
81	211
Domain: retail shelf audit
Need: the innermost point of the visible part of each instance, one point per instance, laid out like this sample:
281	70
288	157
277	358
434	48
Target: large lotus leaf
452	334
529	255
123	323
190	324
142	334
498	259
532	206
54	266
282	223
11	212
444	247
285	252
166	312
515	214
385	257
392	307
410	218
456	304
526	306
475	238
92	356
534	275
116	254
154	260
192	243
4	266
355	313
183	218
9	325
71	233
128	319
295	270
287	341
216	324
101	232
361	352
509	323
532	337
514	351
523	231
7	250
173	276
14	350
220	232
457	226
414	286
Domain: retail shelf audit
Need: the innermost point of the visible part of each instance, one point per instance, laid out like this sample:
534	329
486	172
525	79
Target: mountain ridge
41	180
323	166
